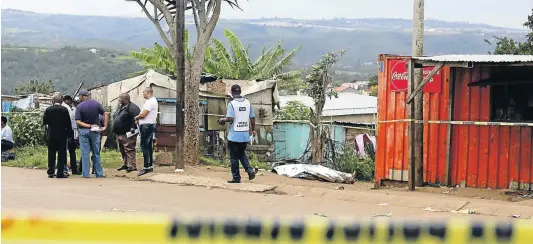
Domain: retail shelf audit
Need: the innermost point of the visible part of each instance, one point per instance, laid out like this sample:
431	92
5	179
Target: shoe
251	176
76	173
122	168
62	176
130	170
234	181
145	171
50	176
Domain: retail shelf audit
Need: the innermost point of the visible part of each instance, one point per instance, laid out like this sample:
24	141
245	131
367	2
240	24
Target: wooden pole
180	82
418	132
411	126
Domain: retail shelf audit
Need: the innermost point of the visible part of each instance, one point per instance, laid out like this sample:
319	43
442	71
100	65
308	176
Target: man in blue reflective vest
241	117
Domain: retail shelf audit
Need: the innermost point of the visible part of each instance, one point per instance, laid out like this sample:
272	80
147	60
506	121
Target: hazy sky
493	12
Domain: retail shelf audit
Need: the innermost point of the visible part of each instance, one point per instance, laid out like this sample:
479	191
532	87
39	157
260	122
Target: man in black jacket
57	119
124	127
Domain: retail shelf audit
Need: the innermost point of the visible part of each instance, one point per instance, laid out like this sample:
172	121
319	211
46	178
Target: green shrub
349	161
28	129
255	163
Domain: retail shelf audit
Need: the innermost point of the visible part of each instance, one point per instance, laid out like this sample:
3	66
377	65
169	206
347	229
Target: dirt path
24	189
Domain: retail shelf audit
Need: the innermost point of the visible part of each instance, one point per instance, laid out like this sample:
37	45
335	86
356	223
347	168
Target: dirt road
24	189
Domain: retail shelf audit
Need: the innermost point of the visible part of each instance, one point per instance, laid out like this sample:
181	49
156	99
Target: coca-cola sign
399	78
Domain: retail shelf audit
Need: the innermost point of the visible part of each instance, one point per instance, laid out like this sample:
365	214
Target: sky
492	12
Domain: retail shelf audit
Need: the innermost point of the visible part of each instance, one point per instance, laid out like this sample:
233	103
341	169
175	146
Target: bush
28	129
349	161
294	110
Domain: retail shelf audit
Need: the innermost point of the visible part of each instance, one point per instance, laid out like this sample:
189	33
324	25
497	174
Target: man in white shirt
147	120
7	136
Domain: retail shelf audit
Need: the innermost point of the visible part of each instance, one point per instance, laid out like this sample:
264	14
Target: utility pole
180	81
416	164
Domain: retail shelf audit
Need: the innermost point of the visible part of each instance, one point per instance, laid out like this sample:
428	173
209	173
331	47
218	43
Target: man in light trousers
87	118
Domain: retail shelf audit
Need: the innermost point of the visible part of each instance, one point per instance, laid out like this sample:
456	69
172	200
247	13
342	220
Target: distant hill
66	67
364	39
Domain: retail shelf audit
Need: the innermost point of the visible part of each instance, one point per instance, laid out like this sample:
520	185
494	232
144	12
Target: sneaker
145	171
51	176
234	181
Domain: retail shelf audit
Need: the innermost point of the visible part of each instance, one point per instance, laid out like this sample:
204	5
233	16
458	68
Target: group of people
69	125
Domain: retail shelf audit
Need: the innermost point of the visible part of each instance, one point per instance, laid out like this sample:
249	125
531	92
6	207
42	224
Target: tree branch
200	8
214	18
195	15
156	23
169	18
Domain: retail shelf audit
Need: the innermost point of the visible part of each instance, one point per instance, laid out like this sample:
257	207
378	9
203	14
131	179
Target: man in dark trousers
71	141
125	128
57	120
241	116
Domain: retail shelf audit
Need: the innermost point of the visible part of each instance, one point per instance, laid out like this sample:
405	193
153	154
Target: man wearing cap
240	115
87	117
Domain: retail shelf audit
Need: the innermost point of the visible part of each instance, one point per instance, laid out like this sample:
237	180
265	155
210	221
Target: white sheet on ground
313	172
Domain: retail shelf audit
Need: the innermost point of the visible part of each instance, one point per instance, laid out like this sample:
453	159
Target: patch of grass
29	157
256	163
37	157
212	161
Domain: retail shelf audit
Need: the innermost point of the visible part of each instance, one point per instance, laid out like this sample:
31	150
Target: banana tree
236	63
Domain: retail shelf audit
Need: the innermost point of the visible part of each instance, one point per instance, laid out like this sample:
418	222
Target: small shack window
512	102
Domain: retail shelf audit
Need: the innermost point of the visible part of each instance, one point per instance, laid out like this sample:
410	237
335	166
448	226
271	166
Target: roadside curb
187	180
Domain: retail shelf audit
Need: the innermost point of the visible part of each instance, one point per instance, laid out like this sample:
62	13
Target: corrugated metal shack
478	120
346	107
263	96
213	99
291	138
165	91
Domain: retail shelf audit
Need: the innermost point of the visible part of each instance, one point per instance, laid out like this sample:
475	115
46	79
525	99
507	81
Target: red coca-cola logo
399	78
399	75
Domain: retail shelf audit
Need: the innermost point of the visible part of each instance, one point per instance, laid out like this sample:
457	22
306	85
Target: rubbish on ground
445	192
262	170
430	209
340	188
383	215
298	195
515	216
384	204
261	174
465	211
179	170
313	172
321	215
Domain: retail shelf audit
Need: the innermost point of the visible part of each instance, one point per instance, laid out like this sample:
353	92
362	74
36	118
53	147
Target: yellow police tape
459	123
112	228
